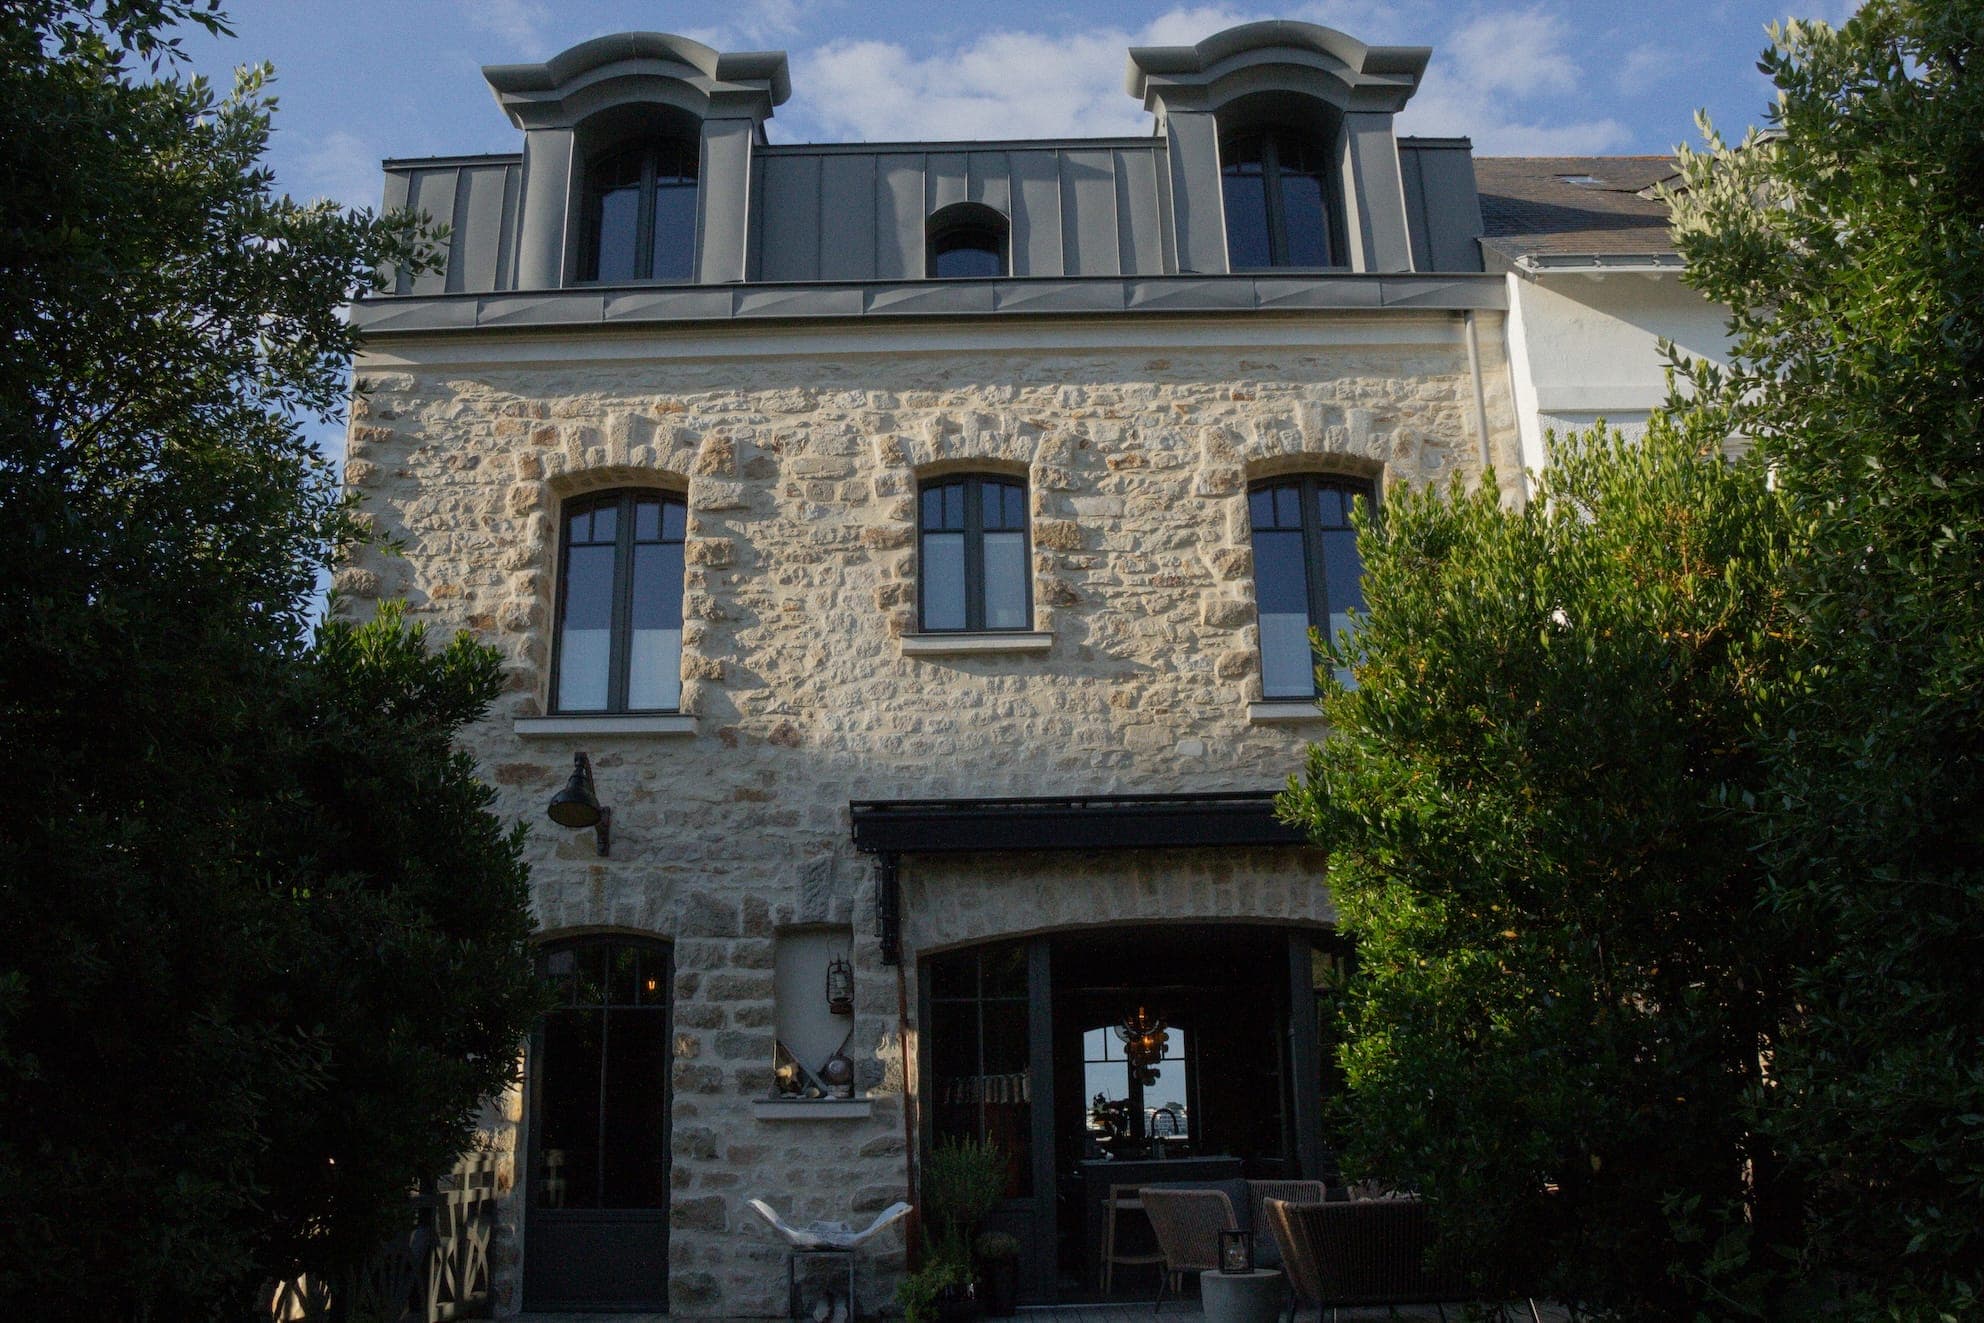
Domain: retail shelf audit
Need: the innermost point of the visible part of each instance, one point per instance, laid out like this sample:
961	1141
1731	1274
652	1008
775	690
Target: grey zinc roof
1530	208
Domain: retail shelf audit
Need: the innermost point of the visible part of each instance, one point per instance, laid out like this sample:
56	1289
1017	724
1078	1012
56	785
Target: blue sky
363	79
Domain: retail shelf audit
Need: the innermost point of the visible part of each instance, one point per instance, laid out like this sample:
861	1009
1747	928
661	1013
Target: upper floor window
972	566
1306	574
640	214
1277	201
620	604
966	240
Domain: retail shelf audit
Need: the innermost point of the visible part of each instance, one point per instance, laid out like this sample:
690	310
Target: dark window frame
1272	142
974	551
968	227
657	1001
655	153
620	631
1315	570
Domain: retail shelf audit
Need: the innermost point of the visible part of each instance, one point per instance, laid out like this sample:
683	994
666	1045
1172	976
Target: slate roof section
1530	208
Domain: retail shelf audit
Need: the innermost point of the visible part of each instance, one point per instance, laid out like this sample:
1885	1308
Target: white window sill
989	643
810	1109
666	723
1284	712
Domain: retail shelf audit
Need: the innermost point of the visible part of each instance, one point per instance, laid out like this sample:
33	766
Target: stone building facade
1065	799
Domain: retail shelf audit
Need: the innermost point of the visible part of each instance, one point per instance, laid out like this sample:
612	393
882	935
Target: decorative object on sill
577	806
838	1075
1236	1251
1144	1043
840	987
828	1235
804	1083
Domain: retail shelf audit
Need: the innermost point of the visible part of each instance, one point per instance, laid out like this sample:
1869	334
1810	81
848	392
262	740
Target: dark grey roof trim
447	162
812	301
943	146
1092	822
569	66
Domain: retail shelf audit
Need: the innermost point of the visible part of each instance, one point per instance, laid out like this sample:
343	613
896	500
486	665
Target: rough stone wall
800	472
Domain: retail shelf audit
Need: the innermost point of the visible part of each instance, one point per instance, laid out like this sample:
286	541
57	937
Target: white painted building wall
1584	346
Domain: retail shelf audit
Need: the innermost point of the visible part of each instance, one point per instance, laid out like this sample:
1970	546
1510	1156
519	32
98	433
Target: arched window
620	604
1306	574
967	240
972	570
1277	198
640	213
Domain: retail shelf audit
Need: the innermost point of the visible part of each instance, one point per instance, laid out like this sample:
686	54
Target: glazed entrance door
596	1222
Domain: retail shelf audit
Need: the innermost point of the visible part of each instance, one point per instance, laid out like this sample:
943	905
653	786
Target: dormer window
965	241
1277	201
640	214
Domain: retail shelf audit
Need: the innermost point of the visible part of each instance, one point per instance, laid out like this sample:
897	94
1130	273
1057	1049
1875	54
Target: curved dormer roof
639	66
1279	55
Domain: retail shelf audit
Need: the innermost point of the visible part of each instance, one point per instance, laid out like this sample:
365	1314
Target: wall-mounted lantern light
840	987
577	806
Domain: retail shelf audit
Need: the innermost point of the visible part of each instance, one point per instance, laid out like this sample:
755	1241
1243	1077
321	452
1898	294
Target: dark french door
596	1218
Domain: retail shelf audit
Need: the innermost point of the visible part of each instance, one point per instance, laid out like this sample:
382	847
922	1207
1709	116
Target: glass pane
954	505
1005	971
1005	581
933	508
1288	506
969	263
623	971
1303	220
619	226
1343	576
1331	507
1007	1092
674	520
1260	508
1288	666
585	643
1015	505
635	1111
653	989
654	662
1169	1092
943	581
674	231
1246	221
604	520
1281	592
1280	579
647	520
954	1066
567	1069
954	976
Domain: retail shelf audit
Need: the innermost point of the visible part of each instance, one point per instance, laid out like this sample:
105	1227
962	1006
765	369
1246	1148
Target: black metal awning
1085	822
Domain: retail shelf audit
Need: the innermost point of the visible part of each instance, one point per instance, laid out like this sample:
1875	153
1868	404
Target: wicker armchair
1188	1223
1266	1248
1367	1253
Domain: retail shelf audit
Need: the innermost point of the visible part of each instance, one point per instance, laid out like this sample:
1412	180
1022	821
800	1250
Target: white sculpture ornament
829	1235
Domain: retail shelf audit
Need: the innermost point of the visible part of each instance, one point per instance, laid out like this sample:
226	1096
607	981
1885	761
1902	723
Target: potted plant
921	1290
998	1256
962	1180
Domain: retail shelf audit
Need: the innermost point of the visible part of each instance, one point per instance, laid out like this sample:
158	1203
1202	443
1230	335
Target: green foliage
918	1291
963	1179
1850	250
255	921
994	1246
1525	804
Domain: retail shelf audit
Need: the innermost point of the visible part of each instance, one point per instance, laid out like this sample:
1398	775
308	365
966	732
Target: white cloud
1008	84
1645	67
523	25
1486	69
1520	53
341	166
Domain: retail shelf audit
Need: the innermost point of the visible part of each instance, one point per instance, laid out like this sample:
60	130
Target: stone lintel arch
960	901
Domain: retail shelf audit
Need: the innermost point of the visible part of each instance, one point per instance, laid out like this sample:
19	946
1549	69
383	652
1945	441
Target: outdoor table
794	1254
1241	1297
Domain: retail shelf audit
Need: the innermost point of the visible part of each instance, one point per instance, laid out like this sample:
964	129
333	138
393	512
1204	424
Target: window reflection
640	214
1307	575
1276	191
973	571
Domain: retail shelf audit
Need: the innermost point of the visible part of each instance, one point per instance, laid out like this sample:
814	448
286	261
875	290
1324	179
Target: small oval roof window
966	241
